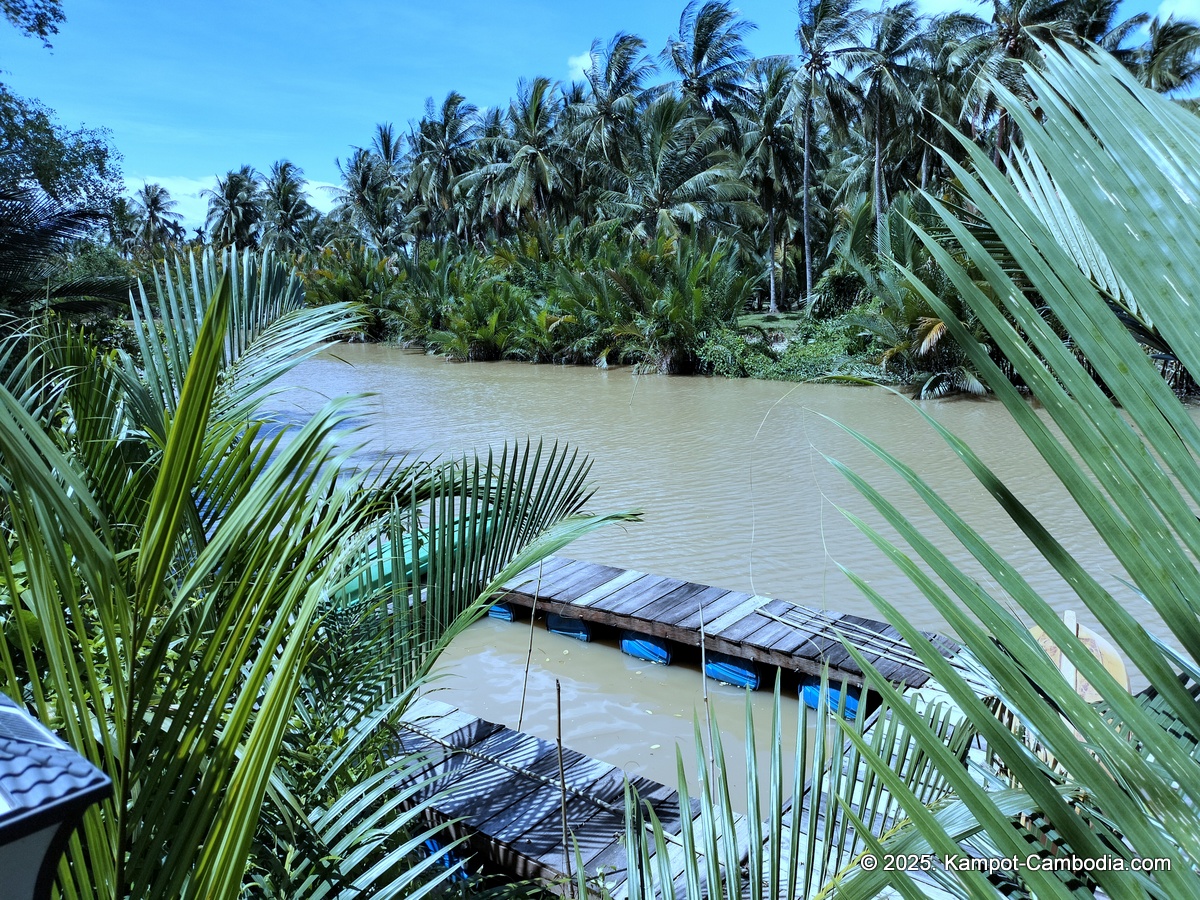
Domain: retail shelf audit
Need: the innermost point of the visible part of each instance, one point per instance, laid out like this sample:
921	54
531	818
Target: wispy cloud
184	191
578	65
320	196
1180	9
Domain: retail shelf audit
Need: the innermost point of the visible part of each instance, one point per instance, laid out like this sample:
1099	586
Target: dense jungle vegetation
638	215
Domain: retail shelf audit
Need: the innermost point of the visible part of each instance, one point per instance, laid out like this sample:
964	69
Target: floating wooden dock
501	789
759	629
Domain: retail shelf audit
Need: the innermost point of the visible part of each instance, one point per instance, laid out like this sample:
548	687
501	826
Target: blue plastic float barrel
731	670
502	611
574	628
643	646
811	694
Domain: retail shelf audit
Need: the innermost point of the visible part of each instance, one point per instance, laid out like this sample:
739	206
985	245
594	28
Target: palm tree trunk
771	252
783	267
878	178
808	267
1001	140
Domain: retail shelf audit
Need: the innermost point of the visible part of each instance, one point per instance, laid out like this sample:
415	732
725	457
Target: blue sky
192	89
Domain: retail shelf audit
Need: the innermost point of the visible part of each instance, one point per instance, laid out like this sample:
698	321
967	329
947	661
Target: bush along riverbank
683	305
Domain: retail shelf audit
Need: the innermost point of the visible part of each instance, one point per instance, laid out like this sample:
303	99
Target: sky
190	89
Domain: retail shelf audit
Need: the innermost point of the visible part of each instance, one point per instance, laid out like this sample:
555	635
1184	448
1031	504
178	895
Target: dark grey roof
41	777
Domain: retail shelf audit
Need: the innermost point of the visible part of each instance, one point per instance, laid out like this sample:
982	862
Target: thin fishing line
826	555
753	509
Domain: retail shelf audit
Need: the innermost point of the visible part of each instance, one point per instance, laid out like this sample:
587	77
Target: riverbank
678	308
794	346
785	346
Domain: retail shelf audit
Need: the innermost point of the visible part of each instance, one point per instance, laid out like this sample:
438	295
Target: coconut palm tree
285	207
1170	58
830	43
124	226
890	71
442	152
235	209
529	177
617	79
1000	50
679	174
388	149
369	201
939	94
769	148
709	55
478	188
155	211
1096	22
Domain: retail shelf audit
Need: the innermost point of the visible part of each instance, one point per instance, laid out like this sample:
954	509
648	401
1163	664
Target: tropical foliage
186	588
36	271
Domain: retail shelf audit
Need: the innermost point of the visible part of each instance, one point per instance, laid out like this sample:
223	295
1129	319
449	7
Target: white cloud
1180	9
578	65
184	191
319	197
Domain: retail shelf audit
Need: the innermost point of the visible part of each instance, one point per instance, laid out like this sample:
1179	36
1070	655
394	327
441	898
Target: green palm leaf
1133	474
168	571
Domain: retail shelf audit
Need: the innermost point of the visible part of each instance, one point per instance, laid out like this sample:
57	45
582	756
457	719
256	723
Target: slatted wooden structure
504	789
773	632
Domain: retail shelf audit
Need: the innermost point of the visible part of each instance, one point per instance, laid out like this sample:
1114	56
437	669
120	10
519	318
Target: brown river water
736	489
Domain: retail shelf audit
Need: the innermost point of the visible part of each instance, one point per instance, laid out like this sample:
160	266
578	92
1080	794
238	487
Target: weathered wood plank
427	707
664	800
756	629
472	783
609	587
457	728
837	656
636	595
678	603
530	800
888	667
529	576
712	611
803	627
582	582
739	612
546	803
560	579
586	818
547	766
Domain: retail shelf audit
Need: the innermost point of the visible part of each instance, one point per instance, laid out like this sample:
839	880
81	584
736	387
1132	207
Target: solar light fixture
45	786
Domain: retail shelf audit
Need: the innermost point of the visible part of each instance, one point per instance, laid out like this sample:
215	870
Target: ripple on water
737	492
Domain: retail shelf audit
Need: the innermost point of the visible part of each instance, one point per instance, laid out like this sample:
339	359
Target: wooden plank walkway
760	629
503	788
